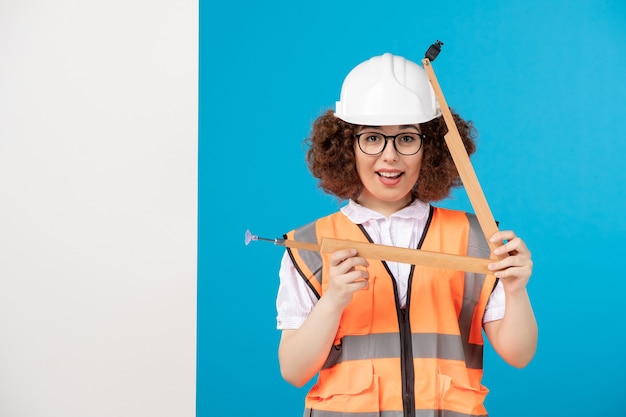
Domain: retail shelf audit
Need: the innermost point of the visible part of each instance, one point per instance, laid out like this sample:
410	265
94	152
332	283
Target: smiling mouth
390	175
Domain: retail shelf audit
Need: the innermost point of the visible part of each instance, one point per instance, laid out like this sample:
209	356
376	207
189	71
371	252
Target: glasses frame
422	136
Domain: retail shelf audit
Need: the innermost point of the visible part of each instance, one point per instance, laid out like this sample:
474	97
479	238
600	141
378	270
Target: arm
302	352
514	337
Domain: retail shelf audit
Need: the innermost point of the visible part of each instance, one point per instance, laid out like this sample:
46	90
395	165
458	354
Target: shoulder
451	215
337	216
465	223
308	231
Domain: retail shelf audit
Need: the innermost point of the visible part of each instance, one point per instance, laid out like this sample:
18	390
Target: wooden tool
409	256
470	182
460	156
387	253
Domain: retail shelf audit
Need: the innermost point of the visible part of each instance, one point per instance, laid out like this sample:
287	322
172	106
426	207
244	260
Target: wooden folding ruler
470	182
460	156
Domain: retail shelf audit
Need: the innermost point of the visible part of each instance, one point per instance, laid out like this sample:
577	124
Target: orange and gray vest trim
421	360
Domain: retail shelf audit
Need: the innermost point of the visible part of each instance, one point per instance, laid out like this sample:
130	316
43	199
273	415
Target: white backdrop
98	207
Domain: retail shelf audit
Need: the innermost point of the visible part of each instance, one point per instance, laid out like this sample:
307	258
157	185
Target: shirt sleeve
295	298
495	306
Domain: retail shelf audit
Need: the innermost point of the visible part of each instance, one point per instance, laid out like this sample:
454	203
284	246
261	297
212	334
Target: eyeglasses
372	143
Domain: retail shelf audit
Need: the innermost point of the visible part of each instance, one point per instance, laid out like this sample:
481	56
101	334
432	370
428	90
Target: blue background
543	83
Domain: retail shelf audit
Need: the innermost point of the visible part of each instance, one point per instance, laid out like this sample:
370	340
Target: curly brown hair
330	157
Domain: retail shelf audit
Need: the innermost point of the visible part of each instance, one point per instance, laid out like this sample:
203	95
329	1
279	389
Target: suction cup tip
249	237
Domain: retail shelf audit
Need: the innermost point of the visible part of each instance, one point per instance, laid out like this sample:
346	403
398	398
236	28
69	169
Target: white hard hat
387	90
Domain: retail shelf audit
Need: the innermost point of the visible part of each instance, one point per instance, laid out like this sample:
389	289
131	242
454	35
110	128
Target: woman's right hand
345	277
303	351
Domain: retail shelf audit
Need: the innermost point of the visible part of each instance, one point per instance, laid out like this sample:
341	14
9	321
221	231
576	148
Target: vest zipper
406	364
406	336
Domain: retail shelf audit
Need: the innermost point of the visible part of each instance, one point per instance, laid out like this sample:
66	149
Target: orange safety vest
422	360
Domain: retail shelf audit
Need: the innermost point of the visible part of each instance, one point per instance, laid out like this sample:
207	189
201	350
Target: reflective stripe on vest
418	413
423	360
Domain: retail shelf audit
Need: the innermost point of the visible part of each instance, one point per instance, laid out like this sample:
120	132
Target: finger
510	263
516	246
350	270
514	272
352	287
350	263
507	262
360	285
502	235
339	256
353	280
357	275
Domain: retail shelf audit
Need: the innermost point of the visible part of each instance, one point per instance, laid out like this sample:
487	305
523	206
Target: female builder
387	338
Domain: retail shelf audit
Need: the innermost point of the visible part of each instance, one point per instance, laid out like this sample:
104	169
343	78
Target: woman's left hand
515	269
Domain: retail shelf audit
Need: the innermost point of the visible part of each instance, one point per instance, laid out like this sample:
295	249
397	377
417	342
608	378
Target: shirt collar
359	214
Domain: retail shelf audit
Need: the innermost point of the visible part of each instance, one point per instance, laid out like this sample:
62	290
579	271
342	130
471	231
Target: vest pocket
459	388
349	387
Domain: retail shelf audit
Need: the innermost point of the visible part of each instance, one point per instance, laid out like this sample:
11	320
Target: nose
389	152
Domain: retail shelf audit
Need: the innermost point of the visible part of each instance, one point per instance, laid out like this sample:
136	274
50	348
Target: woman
383	336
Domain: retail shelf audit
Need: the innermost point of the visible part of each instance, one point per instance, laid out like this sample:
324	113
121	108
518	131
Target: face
387	178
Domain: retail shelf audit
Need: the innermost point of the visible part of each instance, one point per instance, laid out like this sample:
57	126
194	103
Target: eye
371	138
406	138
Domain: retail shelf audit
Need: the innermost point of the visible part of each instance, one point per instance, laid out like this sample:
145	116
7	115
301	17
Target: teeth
389	174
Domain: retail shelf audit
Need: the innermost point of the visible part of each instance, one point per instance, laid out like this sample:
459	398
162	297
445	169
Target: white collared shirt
403	228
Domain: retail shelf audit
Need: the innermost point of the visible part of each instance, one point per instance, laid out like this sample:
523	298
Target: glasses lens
371	143
408	143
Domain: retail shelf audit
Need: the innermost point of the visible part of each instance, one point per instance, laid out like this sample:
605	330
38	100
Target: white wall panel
98	217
